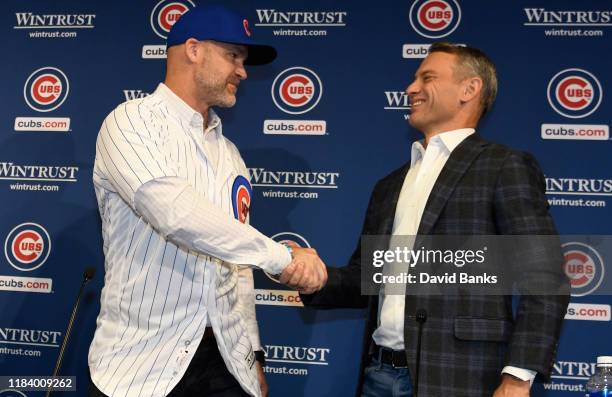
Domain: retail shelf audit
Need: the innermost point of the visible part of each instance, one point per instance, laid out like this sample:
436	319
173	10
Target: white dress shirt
425	167
172	248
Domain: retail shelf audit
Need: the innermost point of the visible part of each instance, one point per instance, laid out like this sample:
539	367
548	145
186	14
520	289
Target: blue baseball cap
219	24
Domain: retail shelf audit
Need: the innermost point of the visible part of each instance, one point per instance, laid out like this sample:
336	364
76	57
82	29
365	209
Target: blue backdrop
317	128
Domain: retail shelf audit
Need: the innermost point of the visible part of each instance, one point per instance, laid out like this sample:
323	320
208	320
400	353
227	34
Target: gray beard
213	91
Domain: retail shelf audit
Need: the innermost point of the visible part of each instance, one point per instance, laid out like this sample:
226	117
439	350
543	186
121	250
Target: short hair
473	62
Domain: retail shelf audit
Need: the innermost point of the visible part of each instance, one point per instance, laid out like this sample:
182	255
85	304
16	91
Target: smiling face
219	72
435	95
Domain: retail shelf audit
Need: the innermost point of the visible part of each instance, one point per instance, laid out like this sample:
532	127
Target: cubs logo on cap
241	198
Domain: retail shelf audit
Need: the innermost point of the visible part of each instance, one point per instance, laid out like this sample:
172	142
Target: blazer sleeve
521	208
343	288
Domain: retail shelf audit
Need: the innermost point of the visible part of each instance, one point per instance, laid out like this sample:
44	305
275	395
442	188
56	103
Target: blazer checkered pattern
484	189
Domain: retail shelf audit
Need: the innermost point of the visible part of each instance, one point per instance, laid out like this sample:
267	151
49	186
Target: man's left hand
512	387
261	377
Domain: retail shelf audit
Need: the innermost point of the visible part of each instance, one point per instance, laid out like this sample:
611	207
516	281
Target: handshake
306	272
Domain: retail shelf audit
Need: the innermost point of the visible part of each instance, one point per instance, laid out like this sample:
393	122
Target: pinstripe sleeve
132	151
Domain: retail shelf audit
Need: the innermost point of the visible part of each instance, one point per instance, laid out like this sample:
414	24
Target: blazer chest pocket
483	329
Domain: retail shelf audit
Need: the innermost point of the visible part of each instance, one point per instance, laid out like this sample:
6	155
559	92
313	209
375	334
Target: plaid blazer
483	189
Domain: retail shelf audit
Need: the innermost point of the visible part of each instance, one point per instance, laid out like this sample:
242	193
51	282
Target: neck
187	93
429	133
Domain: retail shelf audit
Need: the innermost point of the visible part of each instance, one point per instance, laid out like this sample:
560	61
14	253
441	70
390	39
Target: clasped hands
306	272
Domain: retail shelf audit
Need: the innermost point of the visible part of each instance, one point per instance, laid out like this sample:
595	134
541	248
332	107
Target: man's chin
227	102
414	122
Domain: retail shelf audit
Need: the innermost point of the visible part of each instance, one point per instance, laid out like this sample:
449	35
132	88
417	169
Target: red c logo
297	90
46	89
170	14
567	94
20	245
428	13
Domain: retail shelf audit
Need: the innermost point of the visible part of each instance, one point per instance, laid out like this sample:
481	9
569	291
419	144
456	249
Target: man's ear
471	89
192	49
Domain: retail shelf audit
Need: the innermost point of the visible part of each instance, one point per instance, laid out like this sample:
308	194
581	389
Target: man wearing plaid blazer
472	345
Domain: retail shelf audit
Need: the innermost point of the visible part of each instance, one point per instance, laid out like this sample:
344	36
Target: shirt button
187	343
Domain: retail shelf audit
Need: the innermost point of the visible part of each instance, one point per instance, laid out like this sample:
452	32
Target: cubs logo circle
27	246
296	90
289	237
435	18
241	198
166	13
46	89
583	266
245	24
574	93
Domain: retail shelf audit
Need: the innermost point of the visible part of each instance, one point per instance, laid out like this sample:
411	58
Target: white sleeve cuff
521	373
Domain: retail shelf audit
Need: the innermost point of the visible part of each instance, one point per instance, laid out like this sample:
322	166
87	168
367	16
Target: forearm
191	221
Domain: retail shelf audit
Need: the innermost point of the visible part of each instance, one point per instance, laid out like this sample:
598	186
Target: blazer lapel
458	163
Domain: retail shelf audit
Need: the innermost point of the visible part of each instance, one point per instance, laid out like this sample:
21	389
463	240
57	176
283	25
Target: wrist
515	381
289	248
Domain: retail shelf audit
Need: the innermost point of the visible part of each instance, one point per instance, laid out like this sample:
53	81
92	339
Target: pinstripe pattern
159	294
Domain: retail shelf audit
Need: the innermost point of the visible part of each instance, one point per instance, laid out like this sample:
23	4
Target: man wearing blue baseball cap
177	314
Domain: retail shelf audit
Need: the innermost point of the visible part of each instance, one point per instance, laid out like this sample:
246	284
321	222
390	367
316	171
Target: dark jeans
382	380
205	376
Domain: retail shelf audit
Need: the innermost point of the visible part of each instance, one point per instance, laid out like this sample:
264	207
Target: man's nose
241	72
413	88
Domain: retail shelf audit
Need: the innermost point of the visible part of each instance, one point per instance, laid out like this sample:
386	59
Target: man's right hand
306	272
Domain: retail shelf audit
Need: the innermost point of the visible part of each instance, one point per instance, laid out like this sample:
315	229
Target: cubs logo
574	93
46	89
27	246
583	266
166	13
245	24
241	198
435	18
296	90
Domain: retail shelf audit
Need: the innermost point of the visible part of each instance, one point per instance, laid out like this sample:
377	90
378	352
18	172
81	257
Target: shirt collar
448	139
178	106
214	122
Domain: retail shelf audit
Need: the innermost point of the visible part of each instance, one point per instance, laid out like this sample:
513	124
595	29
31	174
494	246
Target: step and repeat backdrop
317	129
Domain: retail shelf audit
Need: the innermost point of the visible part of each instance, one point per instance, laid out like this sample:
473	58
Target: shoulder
139	109
235	156
142	116
233	149
496	155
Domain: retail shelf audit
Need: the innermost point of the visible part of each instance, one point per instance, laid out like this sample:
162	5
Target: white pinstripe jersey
171	243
